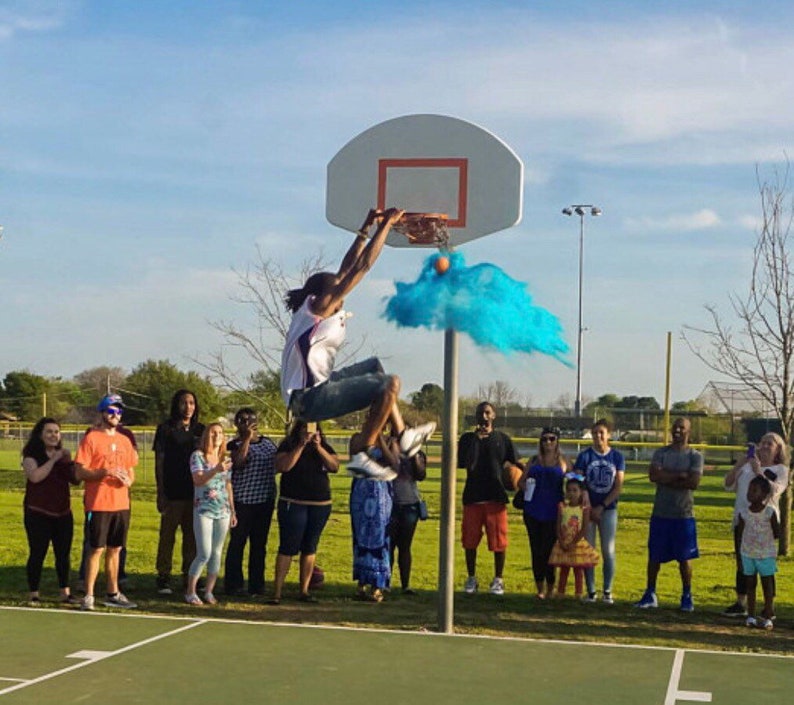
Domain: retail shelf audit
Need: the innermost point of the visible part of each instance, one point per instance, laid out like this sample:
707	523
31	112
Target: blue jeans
607	528
347	390
300	526
210	534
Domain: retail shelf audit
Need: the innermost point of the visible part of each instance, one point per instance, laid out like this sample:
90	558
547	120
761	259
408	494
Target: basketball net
424	229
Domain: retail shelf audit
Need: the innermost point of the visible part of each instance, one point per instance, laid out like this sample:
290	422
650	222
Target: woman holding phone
769	459
213	510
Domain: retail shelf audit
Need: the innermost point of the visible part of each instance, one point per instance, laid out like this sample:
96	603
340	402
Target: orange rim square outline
459	163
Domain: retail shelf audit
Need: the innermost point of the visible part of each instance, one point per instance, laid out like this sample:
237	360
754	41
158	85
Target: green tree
148	389
429	399
263	393
28	396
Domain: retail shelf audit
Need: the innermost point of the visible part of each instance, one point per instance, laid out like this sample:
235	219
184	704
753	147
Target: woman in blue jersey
603	468
310	386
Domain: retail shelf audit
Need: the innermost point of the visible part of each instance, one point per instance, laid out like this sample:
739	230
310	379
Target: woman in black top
304	460
49	471
405	514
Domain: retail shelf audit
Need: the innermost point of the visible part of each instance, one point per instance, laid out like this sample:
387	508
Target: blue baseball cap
110	400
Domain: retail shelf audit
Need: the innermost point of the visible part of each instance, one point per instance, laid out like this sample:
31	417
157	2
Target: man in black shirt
174	442
486	454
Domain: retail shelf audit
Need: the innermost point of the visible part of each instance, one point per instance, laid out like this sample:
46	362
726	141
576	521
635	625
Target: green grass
518	613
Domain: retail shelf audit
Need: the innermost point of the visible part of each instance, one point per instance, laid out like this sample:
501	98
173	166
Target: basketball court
73	657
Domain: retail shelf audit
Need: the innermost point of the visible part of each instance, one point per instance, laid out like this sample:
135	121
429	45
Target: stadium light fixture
581	210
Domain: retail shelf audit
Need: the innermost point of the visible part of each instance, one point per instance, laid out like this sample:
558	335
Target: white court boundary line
673	693
672	697
99	656
381	630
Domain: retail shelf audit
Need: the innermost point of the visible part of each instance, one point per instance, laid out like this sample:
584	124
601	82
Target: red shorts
489	515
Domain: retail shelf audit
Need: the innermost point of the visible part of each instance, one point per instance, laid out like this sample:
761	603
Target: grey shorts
347	390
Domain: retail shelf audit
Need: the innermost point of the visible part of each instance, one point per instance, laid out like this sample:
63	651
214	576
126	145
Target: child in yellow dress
571	549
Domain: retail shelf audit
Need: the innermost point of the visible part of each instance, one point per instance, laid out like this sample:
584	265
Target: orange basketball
510	477
442	265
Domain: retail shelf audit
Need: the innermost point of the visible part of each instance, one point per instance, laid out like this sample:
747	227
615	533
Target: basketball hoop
424	229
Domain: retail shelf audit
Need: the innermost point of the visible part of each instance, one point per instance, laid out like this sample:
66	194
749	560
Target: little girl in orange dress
572	549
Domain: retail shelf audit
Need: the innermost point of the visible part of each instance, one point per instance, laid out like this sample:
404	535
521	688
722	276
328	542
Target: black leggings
542	535
42	530
401	529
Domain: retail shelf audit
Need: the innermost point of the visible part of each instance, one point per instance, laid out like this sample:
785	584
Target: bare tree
498	393
758	349
563	403
262	287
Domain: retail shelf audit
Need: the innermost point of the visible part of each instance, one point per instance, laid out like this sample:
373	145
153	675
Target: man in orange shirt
106	460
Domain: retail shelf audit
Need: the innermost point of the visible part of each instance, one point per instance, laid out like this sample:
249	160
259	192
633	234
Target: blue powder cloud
483	301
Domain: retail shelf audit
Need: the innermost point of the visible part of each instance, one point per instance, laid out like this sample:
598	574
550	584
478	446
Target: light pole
581	210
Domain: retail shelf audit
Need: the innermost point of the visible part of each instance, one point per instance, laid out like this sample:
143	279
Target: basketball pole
449	463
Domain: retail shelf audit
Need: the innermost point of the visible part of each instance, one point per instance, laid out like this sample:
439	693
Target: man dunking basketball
311	388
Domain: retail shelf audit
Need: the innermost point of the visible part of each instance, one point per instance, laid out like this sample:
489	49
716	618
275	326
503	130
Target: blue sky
148	148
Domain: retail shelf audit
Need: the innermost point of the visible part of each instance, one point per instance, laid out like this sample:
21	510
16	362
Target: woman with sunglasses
542	482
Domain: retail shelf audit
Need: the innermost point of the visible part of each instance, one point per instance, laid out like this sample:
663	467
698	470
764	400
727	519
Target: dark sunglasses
548	439
113	412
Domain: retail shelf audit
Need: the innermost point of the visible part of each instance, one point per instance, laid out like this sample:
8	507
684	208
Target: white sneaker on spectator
471	585
119	600
413	438
87	604
497	587
361	465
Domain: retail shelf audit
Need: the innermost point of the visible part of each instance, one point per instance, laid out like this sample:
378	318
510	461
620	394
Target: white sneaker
87	605
361	465
471	585
412	439
497	587
119	600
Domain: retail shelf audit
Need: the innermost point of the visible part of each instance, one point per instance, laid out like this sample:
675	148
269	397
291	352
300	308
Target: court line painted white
99	656
382	630
673	693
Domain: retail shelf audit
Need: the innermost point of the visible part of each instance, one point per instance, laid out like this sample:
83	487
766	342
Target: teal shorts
763	566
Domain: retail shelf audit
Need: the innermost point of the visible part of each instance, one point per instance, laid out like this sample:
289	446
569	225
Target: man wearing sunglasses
106	461
254	489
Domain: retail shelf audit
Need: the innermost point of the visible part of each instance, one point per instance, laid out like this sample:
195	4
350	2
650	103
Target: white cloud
33	16
750	222
700	220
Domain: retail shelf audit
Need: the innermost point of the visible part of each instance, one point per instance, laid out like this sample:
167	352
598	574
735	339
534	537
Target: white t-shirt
311	347
742	482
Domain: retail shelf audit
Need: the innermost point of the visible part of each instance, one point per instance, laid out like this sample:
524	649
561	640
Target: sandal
274	601
307	597
210	599
193	599
376	596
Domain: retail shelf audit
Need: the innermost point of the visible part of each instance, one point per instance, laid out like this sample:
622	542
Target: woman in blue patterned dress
370	514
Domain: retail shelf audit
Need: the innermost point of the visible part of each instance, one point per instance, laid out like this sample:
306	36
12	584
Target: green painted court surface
72	657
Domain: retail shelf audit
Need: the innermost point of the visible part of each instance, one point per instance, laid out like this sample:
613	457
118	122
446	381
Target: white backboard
428	164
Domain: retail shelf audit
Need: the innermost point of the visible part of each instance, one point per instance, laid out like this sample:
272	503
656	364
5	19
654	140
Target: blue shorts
672	540
300	526
347	390
763	566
